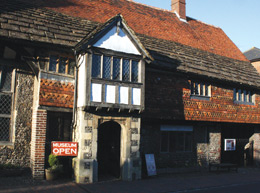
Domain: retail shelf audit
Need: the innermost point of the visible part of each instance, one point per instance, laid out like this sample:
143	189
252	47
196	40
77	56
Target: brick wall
168	97
38	143
56	93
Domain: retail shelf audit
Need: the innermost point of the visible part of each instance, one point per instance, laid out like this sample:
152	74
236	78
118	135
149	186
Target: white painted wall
82	81
117	42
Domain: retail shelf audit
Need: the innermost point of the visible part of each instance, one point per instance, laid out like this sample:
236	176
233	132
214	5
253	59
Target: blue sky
239	19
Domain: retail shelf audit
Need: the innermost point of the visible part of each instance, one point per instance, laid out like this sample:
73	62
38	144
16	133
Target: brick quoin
39	123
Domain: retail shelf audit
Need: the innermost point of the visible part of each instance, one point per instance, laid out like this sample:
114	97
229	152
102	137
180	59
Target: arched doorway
108	155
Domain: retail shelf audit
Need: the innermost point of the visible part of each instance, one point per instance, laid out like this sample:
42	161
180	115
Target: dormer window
115	68
200	90
243	97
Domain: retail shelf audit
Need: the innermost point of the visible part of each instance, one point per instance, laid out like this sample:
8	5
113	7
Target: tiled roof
27	22
175	56
21	21
252	54
153	22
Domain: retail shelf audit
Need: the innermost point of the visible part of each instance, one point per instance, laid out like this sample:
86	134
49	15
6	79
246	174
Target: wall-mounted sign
150	164
230	144
64	148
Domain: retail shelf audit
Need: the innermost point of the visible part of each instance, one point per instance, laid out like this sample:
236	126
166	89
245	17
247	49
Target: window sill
243	103
6	143
57	73
176	152
116	81
206	98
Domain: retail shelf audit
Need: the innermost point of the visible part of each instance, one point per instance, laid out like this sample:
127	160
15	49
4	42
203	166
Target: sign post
150	164
63	148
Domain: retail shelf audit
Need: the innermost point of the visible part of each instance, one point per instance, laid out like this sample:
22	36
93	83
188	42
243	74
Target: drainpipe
73	124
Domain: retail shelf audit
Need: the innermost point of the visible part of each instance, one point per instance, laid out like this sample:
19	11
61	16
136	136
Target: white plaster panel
136	96
117	41
110	94
96	92
82	79
123	95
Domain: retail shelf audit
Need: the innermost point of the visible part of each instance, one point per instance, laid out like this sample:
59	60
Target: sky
239	19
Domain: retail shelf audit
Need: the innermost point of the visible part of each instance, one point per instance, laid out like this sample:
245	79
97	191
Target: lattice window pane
250	96
206	90
116	68
106	67
43	63
5	103
6	81
196	88
126	70
4	129
62	65
96	65
245	96
135	71
53	63
71	68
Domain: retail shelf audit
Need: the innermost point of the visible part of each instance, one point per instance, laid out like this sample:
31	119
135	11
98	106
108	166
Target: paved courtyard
244	179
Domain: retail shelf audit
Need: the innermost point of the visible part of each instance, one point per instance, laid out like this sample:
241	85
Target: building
253	55
123	80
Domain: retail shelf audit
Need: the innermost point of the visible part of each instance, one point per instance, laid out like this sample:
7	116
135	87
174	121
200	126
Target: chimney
179	6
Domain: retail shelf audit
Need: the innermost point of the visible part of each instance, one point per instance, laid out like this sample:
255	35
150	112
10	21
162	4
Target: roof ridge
204	22
166	10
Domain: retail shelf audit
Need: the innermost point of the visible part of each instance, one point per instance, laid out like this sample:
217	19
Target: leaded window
135	71
63	65
199	89
126	70
96	66
115	68
6	95
243	96
106	67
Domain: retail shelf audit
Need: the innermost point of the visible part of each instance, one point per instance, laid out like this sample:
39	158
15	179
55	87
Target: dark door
109	150
58	129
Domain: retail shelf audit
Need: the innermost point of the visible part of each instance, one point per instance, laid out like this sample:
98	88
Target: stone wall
19	152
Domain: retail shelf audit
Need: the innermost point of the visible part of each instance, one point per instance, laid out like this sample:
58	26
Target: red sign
64	148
